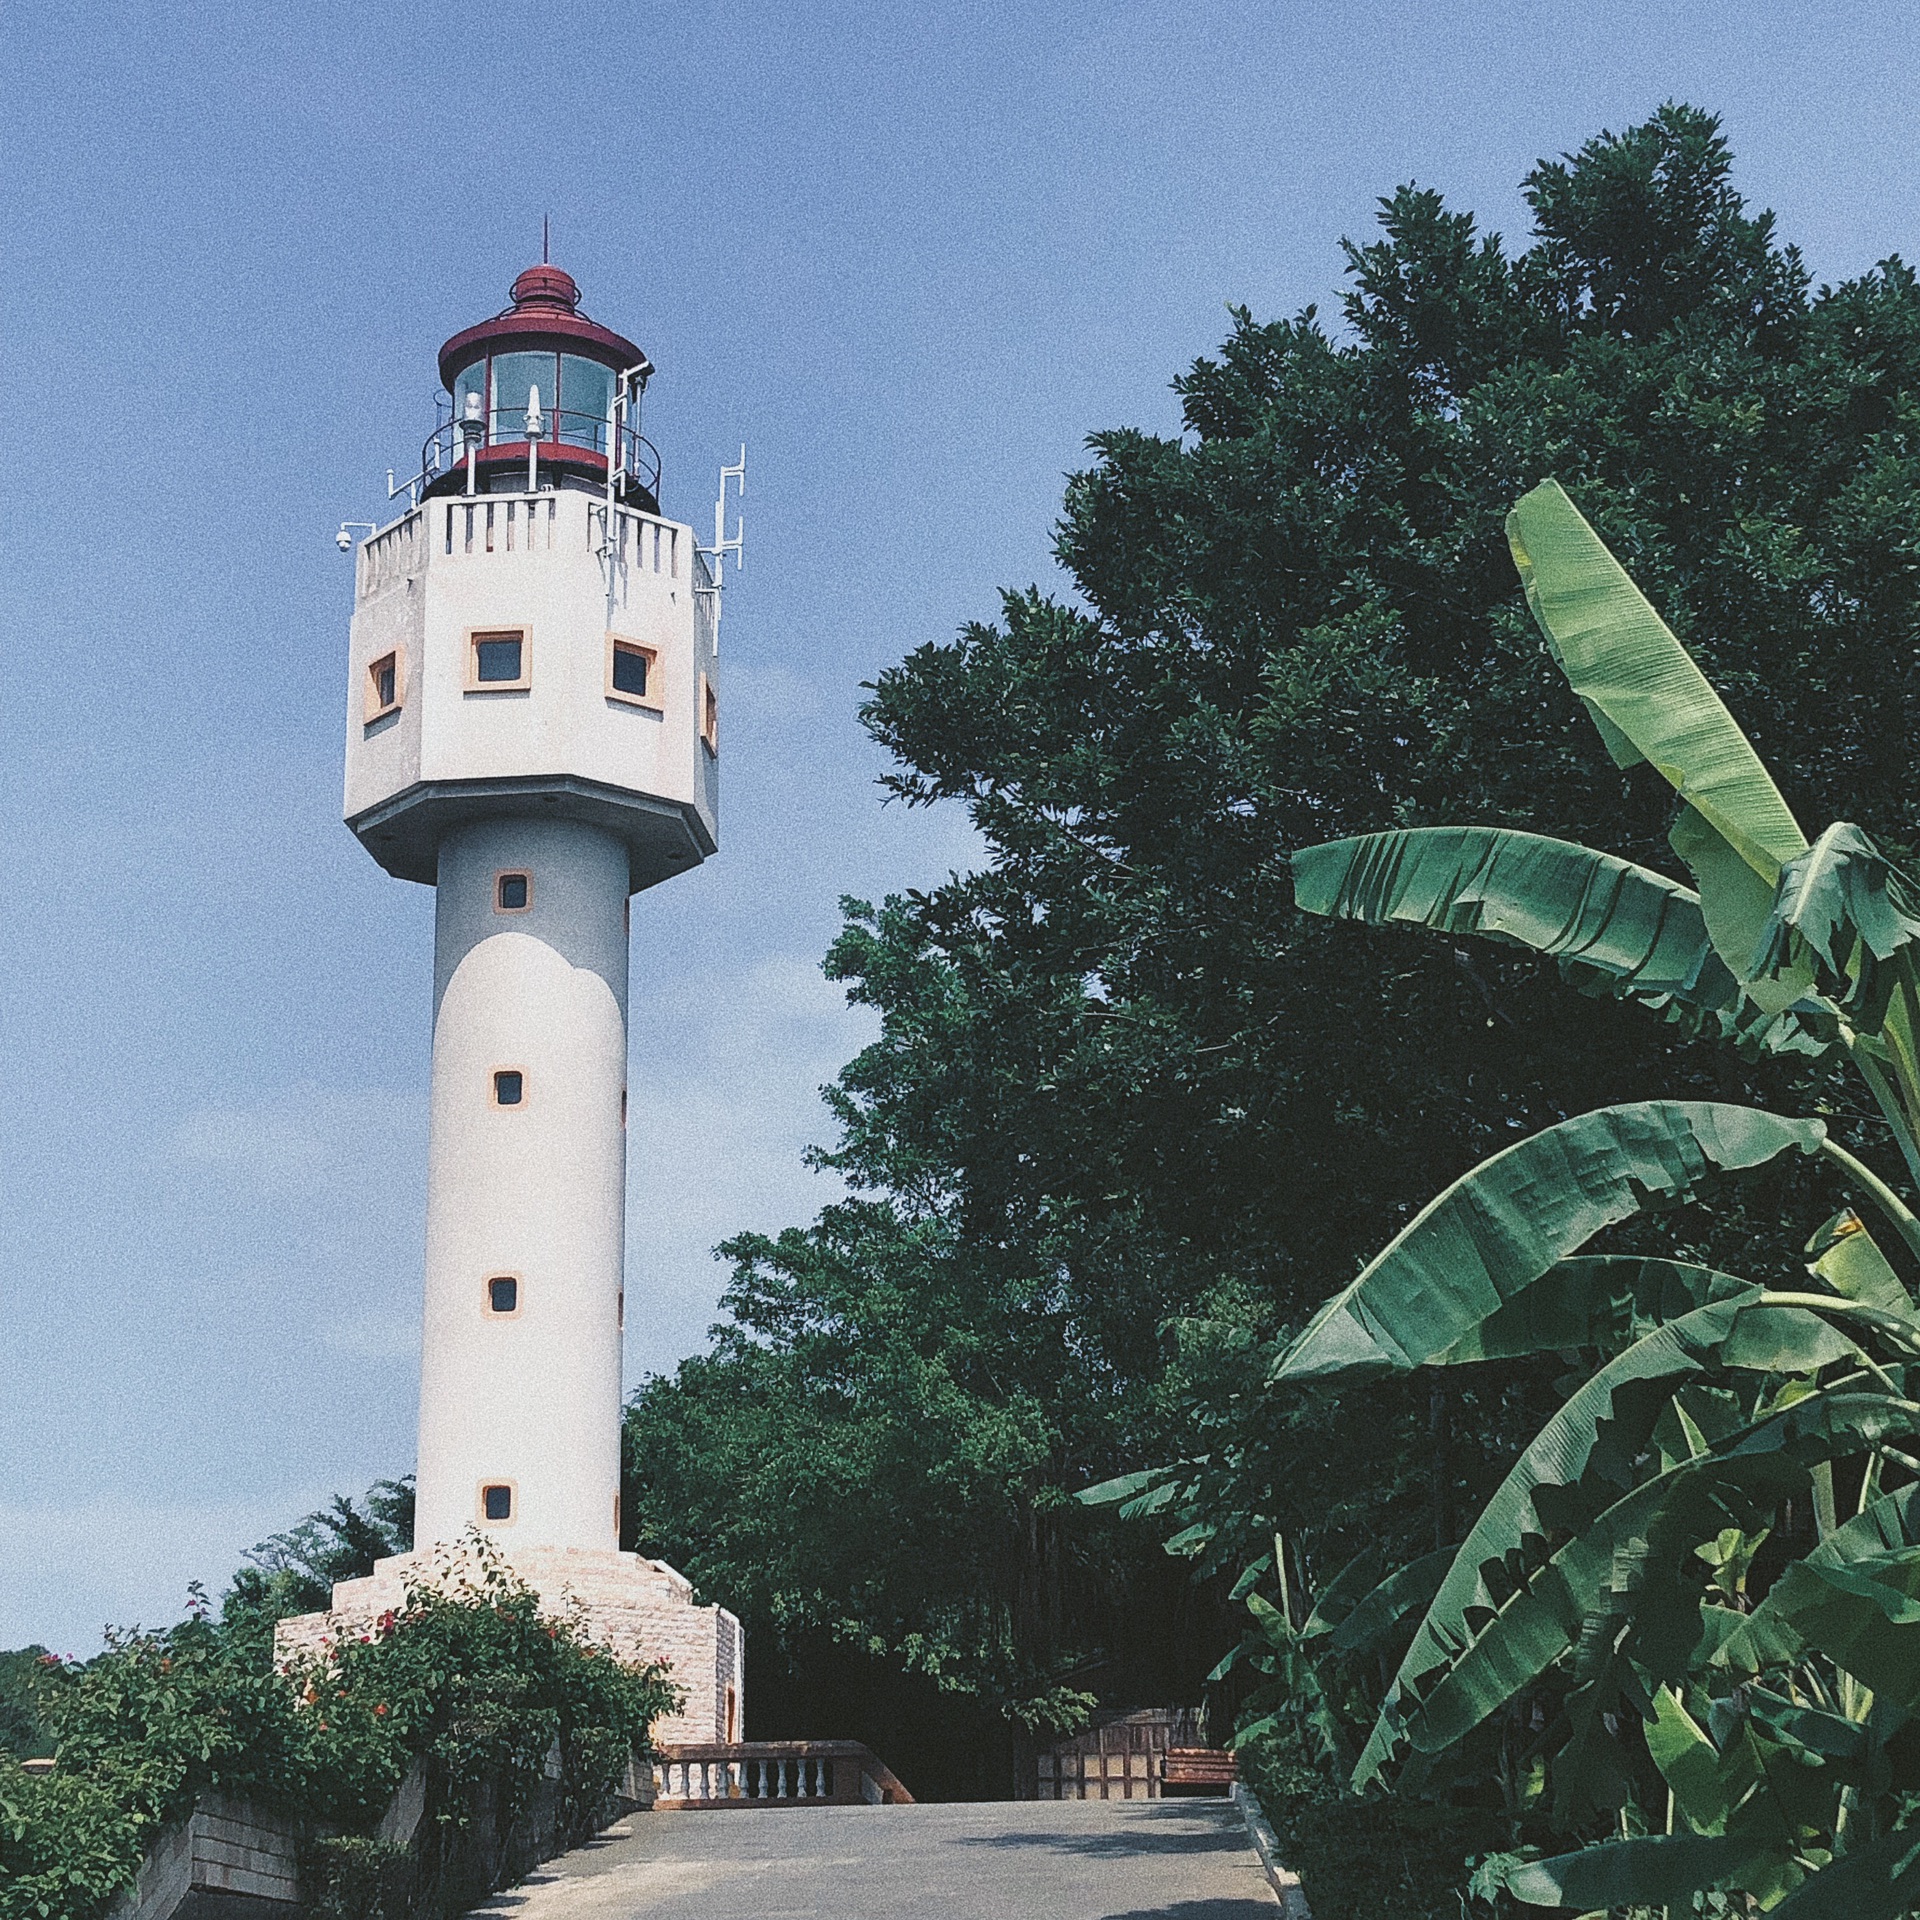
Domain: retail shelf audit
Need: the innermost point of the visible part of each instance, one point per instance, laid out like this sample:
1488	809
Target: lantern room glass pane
515	375
470	381
586	393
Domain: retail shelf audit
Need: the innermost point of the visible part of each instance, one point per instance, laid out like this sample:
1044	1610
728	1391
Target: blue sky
912	257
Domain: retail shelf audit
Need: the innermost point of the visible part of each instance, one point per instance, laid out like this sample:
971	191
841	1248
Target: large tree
1129	1116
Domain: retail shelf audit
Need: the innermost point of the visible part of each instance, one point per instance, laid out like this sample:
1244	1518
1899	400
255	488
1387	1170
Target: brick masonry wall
637	1609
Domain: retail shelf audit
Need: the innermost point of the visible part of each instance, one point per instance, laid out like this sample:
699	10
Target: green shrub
1362	1859
26	1678
478	1683
349	1877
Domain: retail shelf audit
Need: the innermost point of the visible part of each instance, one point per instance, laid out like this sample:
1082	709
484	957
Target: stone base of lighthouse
638	1609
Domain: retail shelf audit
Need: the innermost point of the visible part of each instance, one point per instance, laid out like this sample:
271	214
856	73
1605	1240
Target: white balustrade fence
774	1773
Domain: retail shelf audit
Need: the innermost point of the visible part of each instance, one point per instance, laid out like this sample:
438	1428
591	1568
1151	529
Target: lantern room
540	396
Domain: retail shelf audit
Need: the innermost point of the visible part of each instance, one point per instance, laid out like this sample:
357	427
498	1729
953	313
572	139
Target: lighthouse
533	731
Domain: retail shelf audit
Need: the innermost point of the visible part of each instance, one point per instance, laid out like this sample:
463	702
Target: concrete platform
988	1860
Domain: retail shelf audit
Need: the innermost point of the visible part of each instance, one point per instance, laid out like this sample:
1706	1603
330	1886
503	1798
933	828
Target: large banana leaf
1775	1774
1464	1665
1659	1869
1614	928
1878	1881
1846	910
1386	1605
1606	1300
1500	1227
1648	697
1559	1468
1704	1791
1736	904
1633	925
1138	1495
1767	1638
1848	1258
1863	1614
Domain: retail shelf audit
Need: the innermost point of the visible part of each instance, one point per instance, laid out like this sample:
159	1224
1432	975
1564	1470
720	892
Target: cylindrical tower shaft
520	1381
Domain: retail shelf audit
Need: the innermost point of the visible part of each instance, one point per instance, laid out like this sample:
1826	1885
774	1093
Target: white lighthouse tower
533	732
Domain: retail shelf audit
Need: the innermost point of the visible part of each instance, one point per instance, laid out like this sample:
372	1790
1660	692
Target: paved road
995	1860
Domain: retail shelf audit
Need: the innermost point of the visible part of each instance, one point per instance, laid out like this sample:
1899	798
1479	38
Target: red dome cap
545	313
545	286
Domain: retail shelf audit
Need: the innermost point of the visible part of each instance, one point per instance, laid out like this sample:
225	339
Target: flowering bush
475	1682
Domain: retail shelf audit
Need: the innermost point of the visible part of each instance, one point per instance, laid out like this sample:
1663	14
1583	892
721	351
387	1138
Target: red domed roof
545	313
546	286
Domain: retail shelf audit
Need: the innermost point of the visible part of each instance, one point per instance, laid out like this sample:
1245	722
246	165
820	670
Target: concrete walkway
990	1860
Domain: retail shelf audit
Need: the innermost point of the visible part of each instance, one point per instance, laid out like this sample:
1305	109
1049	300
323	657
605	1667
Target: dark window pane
503	1293
496	660
508	1087
498	1503
385	681
630	671
513	892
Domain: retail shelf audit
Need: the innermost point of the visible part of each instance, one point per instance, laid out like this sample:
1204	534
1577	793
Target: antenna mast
716	554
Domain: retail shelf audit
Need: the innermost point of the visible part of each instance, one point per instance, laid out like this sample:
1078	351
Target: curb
1282	1878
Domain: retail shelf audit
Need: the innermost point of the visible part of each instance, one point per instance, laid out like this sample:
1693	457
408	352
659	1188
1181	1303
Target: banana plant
1762	1743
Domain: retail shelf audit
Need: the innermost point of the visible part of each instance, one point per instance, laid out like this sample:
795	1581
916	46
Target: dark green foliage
476	1684
1118	1082
1675	1685
348	1877
140	1730
893	1469
26	1678
1362	1859
294	1572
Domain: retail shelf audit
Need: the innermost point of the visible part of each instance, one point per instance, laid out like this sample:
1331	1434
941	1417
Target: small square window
499	661
383	686
630	670
496	1502
512	892
509	1087
503	1294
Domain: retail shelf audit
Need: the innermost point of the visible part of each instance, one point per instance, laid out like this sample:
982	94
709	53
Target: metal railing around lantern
446	447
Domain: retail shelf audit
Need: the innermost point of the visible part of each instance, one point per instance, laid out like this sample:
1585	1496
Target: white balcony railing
775	1773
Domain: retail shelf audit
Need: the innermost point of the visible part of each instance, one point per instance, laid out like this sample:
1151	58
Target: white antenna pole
716	554
619	408
722	546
